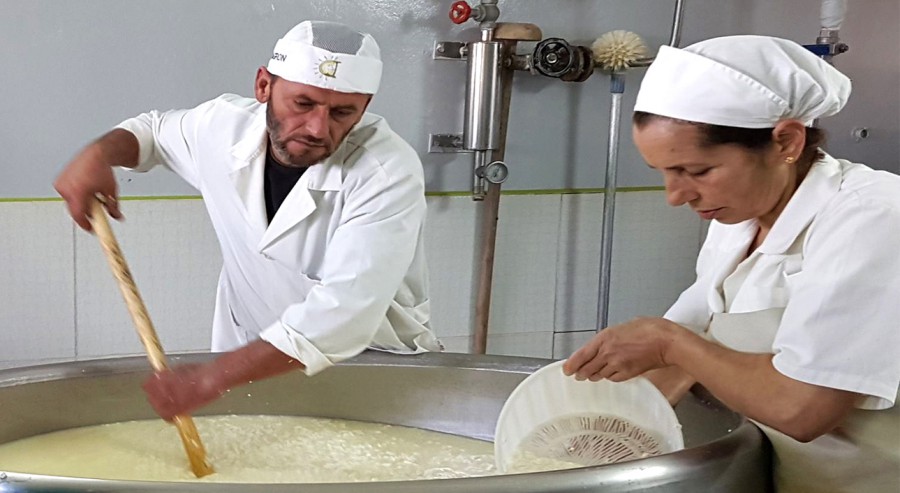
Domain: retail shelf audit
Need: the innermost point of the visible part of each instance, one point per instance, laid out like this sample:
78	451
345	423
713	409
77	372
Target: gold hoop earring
790	159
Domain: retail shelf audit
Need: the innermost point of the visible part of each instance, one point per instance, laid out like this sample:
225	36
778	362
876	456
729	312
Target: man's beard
279	147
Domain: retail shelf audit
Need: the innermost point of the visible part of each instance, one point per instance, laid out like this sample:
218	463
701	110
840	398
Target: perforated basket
588	423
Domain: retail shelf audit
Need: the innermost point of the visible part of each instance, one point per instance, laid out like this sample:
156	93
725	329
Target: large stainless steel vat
453	393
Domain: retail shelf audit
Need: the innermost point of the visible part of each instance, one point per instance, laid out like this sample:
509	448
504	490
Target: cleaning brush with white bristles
613	53
617	50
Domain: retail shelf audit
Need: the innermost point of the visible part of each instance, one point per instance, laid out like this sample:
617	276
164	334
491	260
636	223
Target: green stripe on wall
148	197
549	191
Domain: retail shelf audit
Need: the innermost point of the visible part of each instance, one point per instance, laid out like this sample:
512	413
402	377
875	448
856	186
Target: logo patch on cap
328	68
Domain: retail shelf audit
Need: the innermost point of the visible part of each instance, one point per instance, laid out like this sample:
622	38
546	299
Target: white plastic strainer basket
553	416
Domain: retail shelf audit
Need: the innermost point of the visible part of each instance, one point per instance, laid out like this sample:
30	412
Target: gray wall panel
72	69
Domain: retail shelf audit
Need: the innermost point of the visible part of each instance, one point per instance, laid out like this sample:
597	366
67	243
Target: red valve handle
460	12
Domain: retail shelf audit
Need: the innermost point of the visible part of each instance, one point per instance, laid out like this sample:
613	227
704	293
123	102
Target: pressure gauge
495	172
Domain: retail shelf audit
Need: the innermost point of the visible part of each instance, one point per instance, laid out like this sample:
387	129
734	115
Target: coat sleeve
841	327
365	262
169	138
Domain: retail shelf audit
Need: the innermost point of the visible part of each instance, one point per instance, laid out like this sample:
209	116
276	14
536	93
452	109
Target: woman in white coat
319	208
794	319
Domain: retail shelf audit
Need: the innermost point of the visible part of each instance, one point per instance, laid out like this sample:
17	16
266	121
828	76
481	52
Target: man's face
306	123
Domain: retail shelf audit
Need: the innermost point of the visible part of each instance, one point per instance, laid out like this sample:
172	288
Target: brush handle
190	438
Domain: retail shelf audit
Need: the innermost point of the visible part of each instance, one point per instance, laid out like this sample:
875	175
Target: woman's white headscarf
742	81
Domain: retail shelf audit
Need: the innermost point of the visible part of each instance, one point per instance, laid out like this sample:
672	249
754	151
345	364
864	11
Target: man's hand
185	388
624	351
182	389
90	174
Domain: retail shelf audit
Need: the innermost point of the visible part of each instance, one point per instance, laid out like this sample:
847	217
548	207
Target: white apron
860	456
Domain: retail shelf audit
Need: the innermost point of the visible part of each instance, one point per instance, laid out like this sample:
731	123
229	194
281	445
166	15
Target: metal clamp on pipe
828	43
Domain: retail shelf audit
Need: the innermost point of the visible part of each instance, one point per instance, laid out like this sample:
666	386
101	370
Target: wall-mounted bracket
443	143
449	50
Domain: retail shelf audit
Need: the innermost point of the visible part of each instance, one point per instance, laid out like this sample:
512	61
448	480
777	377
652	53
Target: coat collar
818	187
247	174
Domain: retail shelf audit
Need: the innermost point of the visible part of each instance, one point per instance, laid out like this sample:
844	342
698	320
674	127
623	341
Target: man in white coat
318	207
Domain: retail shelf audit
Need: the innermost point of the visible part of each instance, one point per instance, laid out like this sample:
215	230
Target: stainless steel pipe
481	125
451	393
617	87
677	22
674	37
481	128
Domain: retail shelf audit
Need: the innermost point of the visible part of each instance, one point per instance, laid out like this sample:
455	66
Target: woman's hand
748	383
624	351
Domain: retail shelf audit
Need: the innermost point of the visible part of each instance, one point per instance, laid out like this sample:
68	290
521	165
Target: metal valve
553	57
582	65
496	172
485	12
460	12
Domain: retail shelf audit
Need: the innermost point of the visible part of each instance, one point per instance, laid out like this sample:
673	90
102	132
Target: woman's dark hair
754	139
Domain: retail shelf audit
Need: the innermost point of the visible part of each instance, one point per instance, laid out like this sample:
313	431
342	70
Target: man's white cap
328	55
742	81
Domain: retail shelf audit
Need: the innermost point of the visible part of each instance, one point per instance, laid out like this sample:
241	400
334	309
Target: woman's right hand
624	351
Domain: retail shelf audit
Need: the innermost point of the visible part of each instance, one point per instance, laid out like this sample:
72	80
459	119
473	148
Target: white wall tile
545	278
450	252
655	248
578	269
5	365
174	257
457	344
528	344
36	282
566	343
524	287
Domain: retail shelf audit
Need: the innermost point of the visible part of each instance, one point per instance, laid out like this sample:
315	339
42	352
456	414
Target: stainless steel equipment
481	129
452	393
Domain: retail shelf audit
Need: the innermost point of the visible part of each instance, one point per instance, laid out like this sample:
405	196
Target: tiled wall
59	301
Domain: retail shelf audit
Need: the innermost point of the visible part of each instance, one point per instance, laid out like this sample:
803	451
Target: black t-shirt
278	183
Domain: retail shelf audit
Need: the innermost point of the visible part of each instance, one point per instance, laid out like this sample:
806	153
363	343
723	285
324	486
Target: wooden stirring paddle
190	438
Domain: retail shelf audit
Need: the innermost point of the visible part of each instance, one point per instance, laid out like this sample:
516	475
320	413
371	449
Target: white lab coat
822	293
340	268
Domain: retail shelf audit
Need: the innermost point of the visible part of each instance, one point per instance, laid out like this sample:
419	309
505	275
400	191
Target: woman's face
726	182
